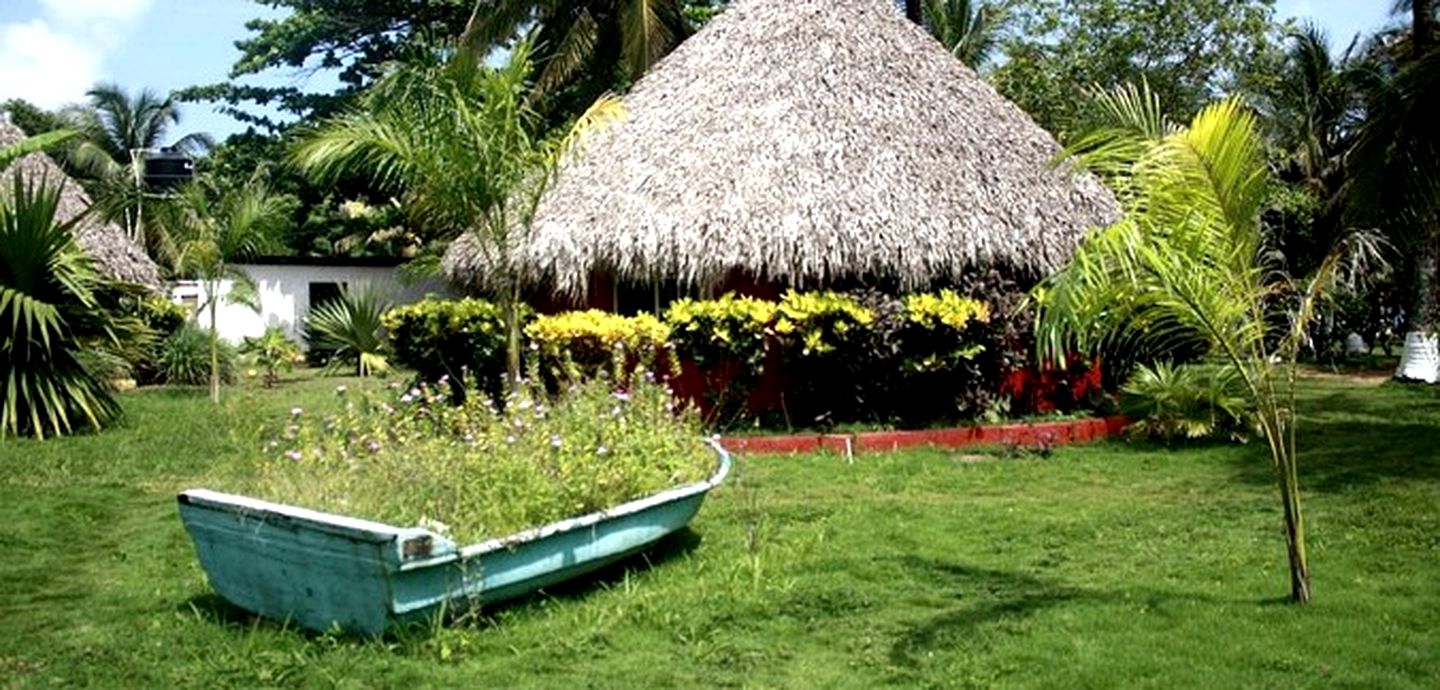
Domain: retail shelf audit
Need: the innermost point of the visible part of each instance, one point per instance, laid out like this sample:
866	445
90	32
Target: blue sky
51	51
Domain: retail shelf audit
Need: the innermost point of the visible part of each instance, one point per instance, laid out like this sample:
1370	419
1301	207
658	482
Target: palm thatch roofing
806	141
112	250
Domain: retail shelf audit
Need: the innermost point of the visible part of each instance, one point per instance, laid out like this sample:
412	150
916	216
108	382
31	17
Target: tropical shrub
49	313
459	340
349	330
585	344
274	352
820	340
948	368
481	469
162	318
185	358
722	345
1169	402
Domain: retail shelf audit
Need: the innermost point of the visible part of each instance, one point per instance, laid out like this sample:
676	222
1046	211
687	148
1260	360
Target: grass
1098	566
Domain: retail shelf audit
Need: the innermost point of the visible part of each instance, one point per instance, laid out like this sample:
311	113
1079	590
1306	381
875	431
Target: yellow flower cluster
945	308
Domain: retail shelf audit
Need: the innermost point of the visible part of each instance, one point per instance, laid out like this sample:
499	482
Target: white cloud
53	59
74	12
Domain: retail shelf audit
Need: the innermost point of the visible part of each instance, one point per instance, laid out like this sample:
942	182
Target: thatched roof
805	141
109	246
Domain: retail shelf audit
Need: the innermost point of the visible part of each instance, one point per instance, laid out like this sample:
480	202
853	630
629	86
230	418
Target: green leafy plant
460	143
1185	267
482	469
162	318
1169	402
212	229
350	329
272	351
190	354
50	310
585	344
460	340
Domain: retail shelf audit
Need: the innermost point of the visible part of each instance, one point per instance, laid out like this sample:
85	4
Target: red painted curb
1037	434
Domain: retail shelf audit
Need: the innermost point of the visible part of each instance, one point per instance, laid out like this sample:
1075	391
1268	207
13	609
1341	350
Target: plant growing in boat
482	468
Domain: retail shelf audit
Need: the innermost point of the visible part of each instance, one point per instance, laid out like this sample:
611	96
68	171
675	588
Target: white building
290	286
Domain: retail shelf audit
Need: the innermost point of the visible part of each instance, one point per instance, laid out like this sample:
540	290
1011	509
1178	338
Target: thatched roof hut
804	142
109	246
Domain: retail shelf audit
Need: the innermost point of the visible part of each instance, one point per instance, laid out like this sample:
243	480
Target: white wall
285	295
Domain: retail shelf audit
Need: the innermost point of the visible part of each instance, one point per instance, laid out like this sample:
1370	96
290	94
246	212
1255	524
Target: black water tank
167	169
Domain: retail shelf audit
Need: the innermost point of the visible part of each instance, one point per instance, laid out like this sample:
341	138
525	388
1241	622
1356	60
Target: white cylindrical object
1420	361
1355	344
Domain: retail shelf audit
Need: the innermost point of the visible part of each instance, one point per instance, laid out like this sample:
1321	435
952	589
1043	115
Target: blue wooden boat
321	570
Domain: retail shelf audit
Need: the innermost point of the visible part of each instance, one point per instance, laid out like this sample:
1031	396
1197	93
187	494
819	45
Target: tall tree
462	147
970	30
357	38
1395	172
1185	266
115	128
1190	53
583	49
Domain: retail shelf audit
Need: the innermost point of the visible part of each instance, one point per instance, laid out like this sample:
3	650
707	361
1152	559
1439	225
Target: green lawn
1097	566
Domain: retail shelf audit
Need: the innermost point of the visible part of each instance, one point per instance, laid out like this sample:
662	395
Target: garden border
1027	434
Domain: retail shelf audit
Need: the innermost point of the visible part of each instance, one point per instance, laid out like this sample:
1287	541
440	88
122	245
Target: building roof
112	250
806	141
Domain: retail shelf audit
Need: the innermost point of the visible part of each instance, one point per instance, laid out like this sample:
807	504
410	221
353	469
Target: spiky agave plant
49	311
349	328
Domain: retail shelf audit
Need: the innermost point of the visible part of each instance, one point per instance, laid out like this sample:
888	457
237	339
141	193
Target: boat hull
322	571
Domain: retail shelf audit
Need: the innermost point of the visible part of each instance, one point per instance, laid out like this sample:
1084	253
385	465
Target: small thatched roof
107	244
805	141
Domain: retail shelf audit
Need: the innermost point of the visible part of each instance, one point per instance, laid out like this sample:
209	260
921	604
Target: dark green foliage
161	318
50	310
349	331
1188	51
457	339
185	358
1169	402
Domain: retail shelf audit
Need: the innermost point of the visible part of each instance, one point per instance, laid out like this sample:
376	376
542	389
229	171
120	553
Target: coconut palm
458	142
969	30
1394	181
212	230
115	127
588	44
1185	267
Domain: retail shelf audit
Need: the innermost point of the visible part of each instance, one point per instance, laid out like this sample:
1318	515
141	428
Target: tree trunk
512	330
1287	475
912	11
214	348
1422	27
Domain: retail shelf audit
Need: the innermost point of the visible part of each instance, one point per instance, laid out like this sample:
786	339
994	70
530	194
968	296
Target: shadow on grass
1354	437
988	599
213	608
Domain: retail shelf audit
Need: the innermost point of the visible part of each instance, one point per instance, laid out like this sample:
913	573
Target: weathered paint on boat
321	570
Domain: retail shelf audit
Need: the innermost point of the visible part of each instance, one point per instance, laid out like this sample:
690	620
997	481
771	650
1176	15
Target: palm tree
460	144
212	231
589	46
116	128
969	30
1185	267
1395	174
